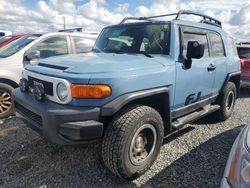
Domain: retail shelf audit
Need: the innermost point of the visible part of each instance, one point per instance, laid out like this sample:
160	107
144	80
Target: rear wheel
227	102
132	141
6	101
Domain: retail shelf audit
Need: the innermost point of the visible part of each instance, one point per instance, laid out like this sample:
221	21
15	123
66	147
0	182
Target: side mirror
194	51
33	54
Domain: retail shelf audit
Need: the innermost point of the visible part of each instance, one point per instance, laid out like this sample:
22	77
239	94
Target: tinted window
150	38
17	45
243	52
217	47
3	39
83	45
52	46
201	38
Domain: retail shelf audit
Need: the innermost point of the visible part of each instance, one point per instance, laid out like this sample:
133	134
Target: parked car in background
30	48
4	33
8	39
237	171
244	54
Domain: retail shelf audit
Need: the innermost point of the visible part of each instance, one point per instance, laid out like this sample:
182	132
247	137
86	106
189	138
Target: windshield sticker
32	38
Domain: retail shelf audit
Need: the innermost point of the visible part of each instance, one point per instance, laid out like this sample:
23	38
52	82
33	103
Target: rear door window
243	52
217	47
83	44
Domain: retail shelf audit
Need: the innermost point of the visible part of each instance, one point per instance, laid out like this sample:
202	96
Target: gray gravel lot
193	157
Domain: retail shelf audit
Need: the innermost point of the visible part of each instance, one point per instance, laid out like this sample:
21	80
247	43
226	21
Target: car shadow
177	134
199	167
28	160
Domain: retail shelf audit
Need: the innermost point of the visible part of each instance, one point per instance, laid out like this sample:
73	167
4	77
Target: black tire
120	153
227	102
6	101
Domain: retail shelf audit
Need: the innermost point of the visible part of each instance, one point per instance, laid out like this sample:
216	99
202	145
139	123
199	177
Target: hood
92	63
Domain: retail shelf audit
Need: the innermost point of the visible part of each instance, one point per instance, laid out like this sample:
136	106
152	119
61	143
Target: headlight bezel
66	86
62	91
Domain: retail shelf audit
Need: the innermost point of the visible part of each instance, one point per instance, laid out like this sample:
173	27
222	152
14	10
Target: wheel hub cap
143	144
5	101
139	142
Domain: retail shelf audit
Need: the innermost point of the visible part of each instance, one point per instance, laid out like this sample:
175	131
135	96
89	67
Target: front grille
29	114
47	86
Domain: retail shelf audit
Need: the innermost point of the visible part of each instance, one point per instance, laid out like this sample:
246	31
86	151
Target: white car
29	48
4	33
237	171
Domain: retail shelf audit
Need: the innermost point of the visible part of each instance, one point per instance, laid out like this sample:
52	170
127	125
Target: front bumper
60	124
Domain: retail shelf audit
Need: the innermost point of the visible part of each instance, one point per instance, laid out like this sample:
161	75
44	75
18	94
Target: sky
29	16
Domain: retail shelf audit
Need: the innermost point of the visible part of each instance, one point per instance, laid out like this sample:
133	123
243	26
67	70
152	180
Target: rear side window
82	44
217	47
52	46
201	38
244	52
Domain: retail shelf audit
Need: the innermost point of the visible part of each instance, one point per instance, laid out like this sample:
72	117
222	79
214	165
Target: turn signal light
90	91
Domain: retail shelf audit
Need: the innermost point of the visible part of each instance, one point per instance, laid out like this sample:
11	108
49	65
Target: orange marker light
90	91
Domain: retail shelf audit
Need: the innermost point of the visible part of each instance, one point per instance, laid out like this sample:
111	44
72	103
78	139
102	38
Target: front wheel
132	141
227	102
6	101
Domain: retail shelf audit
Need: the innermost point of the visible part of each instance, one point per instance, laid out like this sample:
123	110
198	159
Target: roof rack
206	19
78	29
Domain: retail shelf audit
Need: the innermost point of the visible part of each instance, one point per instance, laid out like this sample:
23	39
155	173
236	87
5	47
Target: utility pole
64	23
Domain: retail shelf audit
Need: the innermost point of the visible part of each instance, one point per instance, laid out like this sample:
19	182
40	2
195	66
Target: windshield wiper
145	53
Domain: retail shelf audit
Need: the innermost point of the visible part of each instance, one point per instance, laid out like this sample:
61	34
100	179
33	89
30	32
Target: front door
194	84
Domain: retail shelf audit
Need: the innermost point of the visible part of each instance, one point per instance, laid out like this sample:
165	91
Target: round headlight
62	92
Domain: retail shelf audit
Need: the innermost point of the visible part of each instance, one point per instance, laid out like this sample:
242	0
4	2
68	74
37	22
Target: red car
8	39
244	54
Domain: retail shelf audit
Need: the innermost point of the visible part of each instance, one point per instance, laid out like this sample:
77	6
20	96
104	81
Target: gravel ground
193	157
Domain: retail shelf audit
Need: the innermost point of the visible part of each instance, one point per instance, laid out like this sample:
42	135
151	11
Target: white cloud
122	8
94	14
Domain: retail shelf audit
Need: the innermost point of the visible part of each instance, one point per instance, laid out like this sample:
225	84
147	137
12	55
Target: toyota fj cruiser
144	80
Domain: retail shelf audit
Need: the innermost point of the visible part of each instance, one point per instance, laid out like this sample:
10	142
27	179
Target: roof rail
206	19
78	29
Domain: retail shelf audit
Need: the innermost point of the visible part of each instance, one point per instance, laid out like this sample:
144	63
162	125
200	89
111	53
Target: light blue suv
144	80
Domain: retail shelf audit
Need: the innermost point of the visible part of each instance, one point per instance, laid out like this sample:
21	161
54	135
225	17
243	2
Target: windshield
16	45
243	52
131	39
3	39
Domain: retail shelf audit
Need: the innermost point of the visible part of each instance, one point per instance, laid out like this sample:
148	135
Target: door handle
211	67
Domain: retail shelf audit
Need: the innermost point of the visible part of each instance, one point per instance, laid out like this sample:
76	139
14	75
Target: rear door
217	50
195	84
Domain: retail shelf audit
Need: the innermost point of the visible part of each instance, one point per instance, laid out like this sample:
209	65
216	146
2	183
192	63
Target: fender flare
9	82
230	77
117	104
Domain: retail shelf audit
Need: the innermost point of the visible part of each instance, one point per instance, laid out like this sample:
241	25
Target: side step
180	122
